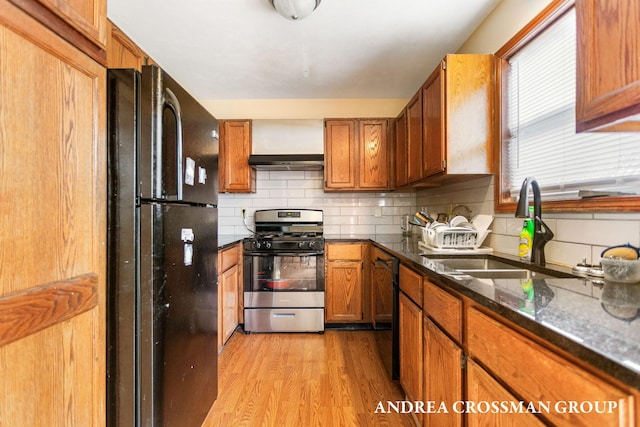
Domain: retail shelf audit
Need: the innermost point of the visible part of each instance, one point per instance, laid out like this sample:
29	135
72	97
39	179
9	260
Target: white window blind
541	123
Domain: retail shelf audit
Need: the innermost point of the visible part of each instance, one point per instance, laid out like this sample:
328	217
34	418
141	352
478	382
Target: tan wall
303	108
508	17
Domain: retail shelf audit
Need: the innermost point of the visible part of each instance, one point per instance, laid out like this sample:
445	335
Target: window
538	126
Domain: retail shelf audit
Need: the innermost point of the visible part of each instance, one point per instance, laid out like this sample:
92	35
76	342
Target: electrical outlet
377	211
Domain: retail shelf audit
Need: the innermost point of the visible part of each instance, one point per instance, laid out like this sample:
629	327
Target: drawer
444	308
539	375
411	284
229	257
284	320
344	251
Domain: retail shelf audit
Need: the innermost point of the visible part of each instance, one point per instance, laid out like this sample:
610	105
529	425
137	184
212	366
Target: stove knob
267	245
257	245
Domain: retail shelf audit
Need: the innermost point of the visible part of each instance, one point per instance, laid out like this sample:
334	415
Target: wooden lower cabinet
344	287
411	359
442	376
229	292
381	287
482	391
537	374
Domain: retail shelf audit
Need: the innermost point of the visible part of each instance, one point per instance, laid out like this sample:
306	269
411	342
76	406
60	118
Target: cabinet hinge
443	64
463	361
444	164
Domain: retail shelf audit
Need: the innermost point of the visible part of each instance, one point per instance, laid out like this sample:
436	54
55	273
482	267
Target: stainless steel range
284	272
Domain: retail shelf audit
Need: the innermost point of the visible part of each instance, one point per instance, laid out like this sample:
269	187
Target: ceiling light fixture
295	10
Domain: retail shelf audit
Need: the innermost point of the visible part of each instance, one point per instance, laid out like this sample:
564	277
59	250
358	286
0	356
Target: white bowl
621	270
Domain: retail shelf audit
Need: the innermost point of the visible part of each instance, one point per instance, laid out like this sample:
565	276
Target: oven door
284	272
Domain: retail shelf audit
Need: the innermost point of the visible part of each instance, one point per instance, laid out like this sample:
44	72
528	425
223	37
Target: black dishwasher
385	285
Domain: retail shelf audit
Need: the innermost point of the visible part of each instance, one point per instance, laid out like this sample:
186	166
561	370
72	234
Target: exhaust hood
287	144
287	161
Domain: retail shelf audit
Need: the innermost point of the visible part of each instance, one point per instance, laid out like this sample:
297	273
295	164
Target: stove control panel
284	245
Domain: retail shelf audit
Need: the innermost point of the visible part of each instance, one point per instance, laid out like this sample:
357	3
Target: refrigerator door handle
172	102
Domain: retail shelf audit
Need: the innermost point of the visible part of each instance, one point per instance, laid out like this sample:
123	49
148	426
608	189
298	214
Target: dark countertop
574	314
226	240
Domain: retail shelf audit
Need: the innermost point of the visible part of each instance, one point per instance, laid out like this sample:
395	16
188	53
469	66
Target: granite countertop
596	322
226	240
580	316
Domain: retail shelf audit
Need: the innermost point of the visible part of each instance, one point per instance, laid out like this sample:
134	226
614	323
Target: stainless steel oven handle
284	315
284	253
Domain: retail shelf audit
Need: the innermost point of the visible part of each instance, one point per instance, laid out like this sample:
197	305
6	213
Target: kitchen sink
490	268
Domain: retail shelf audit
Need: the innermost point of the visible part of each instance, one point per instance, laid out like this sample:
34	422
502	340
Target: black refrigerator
162	277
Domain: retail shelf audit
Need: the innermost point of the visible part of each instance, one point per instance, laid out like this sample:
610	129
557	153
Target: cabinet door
121	51
410	319
414	138
381	289
53	224
608	73
228	286
374	154
537	373
481	387
400	144
81	22
434	141
442	375
340	154
344	293
235	147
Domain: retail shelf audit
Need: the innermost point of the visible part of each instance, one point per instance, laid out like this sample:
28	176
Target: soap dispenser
526	237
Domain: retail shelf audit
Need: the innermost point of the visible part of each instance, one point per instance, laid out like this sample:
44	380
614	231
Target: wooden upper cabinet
235	174
340	154
608	68
433	145
374	154
81	22
400	145
356	154
449	124
121	51
466	98
414	138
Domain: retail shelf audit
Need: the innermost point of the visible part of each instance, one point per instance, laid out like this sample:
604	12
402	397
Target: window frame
503	202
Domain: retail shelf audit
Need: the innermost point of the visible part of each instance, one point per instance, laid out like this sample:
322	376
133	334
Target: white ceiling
243	49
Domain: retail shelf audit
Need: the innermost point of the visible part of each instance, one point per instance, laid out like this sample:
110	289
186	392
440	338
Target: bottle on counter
526	237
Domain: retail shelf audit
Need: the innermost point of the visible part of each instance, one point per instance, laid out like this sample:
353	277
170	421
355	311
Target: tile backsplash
578	235
344	212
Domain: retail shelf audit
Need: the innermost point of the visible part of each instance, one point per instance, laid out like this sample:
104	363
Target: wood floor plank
330	379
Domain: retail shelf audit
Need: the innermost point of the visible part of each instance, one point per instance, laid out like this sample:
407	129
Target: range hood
288	162
284	145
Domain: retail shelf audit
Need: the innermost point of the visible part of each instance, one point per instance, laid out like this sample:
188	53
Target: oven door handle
298	254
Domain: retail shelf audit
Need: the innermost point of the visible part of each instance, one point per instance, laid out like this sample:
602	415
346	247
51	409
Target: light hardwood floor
330	379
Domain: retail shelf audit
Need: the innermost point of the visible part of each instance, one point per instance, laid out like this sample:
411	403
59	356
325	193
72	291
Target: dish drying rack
446	237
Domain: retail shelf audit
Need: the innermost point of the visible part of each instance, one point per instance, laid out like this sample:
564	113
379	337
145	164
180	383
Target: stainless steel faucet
541	233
